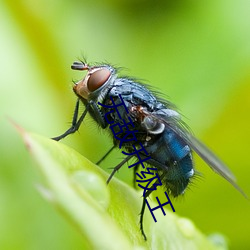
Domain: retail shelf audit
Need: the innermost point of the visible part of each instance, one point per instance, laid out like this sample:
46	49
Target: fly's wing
212	160
174	123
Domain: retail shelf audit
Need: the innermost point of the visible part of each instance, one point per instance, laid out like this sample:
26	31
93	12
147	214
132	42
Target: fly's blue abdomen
176	161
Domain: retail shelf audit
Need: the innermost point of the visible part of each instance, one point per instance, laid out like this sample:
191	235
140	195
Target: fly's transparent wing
208	156
175	124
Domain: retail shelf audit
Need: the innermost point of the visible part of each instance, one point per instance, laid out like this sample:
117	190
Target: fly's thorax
94	84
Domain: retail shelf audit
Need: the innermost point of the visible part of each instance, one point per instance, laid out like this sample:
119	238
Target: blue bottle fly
158	127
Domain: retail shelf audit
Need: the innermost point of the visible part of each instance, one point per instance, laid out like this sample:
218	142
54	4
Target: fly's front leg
75	124
98	114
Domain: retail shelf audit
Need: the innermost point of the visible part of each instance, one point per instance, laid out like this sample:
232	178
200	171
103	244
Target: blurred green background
195	52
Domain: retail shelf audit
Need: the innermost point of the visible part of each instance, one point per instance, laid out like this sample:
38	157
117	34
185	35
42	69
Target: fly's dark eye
97	79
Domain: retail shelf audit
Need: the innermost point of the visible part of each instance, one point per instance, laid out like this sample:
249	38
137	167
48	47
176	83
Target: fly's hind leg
142	213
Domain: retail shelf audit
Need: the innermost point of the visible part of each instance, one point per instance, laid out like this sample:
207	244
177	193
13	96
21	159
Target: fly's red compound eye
97	79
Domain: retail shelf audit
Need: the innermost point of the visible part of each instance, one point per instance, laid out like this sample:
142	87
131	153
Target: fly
159	127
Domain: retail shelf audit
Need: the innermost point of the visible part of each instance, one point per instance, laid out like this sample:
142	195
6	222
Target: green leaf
106	215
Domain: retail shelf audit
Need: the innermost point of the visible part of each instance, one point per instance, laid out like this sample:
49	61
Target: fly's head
96	79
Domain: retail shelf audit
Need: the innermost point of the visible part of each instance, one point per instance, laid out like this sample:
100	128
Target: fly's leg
142	212
105	155
135	170
118	167
98	114
75	124
151	162
100	120
157	164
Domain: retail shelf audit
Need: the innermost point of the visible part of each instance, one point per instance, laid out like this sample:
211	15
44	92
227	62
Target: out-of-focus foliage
197	53
97	210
